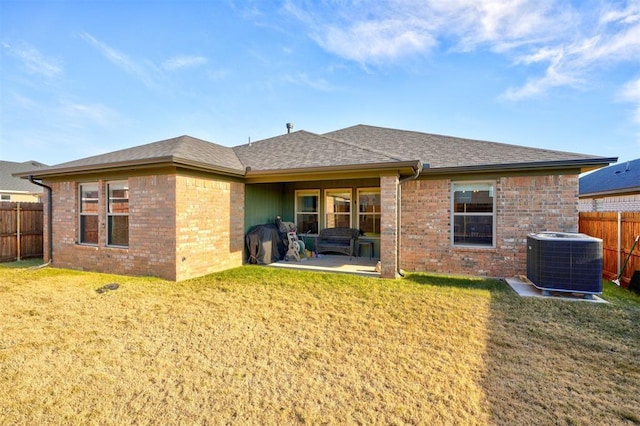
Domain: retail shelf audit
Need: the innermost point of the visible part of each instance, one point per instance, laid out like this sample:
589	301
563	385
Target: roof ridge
182	150
183	141
366	148
261	141
355	145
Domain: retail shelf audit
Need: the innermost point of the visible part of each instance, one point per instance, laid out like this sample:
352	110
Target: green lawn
259	345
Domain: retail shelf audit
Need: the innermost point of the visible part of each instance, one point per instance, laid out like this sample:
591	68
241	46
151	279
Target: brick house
18	190
612	189
180	208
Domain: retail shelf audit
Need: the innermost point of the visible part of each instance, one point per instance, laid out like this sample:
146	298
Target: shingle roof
355	146
303	149
10	183
623	177
183	149
440	151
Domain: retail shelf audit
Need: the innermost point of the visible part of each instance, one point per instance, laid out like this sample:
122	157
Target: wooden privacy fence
20	230
618	232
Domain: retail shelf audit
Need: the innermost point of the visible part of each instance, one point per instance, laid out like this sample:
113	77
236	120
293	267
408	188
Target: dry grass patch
259	345
553	362
253	345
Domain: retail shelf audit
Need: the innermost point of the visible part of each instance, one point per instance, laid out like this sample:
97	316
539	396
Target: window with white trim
88	211
307	210
369	211
337	208
118	214
473	214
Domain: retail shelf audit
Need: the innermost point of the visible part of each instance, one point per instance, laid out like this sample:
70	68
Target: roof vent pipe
289	127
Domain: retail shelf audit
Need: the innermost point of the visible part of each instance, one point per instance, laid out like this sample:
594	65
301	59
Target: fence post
18	229
619	243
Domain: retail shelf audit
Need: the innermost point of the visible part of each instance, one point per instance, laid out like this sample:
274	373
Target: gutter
584	165
337	168
418	169
128	165
619	191
49	215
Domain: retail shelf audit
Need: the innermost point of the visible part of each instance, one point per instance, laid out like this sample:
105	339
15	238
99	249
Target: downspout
417	172
49	216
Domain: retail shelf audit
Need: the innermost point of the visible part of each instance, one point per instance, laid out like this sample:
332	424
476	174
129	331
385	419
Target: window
473	214
338	208
307	211
369	211
118	214
5	197
598	205
88	213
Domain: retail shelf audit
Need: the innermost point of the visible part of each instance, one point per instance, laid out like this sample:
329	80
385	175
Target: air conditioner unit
565	262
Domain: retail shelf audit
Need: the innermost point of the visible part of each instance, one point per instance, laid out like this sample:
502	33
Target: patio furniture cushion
337	240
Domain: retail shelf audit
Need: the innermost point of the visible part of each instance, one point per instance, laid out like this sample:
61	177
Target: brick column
389	226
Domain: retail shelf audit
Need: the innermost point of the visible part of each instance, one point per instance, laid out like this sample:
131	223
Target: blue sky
79	78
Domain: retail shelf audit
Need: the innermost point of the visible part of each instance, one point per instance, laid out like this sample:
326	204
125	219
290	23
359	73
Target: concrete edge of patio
362	266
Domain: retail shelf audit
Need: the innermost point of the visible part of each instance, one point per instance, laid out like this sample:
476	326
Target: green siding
263	202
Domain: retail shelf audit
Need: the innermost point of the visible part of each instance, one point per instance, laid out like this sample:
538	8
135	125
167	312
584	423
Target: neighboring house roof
355	148
9	183
622	178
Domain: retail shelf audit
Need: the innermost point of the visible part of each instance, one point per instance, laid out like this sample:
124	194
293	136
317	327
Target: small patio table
360	243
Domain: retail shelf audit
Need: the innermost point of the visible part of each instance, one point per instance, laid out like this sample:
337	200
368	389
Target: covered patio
363	266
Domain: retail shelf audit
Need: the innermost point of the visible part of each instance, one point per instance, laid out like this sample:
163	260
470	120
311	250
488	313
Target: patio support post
389	226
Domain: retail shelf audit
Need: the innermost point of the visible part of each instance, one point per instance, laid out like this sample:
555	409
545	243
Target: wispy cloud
568	43
499	24
304	79
80	113
387	35
614	39
630	93
63	122
392	29
34	61
184	61
144	71
376	41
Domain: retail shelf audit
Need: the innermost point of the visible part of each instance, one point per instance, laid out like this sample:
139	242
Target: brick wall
523	204
209	225
182	226
152	227
618	203
151	248
179	227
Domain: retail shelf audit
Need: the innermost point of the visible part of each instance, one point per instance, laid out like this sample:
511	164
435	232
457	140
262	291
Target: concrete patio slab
333	263
524	288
